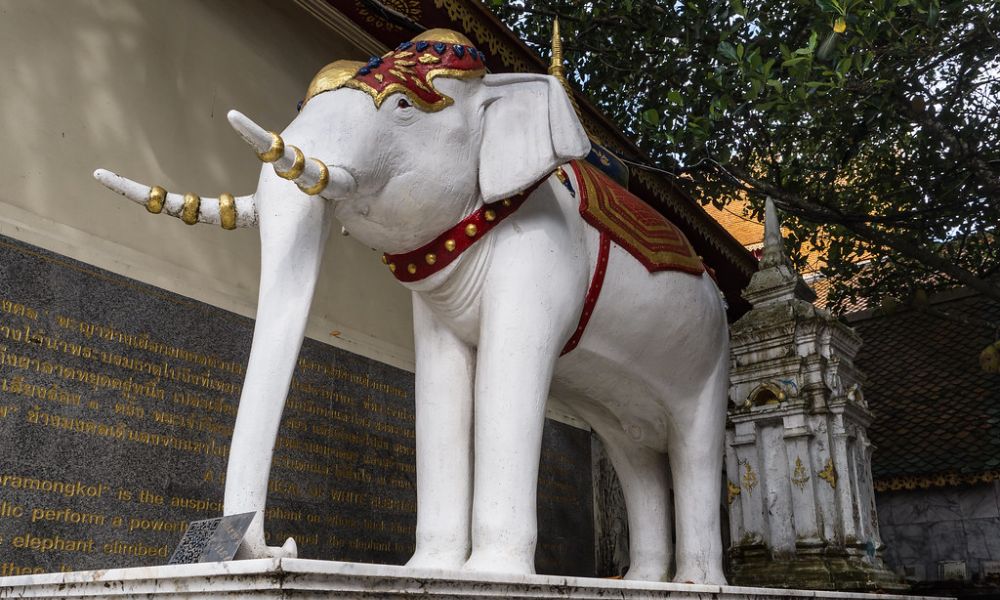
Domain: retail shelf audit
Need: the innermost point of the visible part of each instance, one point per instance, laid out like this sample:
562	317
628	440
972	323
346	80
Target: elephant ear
529	129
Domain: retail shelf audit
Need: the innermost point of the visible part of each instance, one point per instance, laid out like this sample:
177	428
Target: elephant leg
444	442
645	477
293	231
516	357
696	453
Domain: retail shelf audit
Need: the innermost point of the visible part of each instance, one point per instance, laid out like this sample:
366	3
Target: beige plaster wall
142	87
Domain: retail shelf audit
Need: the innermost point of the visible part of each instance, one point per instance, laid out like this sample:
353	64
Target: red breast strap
596	283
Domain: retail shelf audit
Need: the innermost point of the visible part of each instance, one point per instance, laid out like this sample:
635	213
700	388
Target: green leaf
727	50
768	66
794	61
933	13
738	7
675	98
651	116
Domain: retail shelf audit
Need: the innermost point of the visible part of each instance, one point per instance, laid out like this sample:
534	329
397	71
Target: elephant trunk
312	175
228	211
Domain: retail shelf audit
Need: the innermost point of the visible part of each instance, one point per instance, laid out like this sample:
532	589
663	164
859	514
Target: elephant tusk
227	211
268	145
312	175
330	182
287	160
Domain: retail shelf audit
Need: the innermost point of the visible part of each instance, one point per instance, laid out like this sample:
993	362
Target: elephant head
398	148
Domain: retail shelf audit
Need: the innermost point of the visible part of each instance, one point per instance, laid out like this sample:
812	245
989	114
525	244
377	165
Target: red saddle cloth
647	235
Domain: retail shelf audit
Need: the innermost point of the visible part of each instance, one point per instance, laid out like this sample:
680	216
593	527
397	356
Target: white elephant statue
471	185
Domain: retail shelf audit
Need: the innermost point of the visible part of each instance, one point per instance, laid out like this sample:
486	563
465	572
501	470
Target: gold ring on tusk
298	165
324	178
227	211
189	212
154	202
275	151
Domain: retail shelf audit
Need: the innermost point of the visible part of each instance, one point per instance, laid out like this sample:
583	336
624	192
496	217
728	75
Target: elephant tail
227	211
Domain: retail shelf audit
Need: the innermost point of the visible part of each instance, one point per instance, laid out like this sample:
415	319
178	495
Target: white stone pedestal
298	578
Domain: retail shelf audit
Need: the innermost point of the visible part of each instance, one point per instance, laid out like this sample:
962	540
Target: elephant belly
652	346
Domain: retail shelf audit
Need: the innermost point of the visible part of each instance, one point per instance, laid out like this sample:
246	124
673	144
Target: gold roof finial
556	66
556	70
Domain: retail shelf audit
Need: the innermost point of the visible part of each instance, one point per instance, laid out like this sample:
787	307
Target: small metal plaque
952	570
990	569
212	540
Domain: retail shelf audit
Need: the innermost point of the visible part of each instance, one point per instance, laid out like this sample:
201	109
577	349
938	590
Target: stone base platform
298	578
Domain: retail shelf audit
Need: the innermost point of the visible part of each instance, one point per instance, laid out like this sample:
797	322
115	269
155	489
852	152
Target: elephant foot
508	563
707	576
651	572
249	550
449	560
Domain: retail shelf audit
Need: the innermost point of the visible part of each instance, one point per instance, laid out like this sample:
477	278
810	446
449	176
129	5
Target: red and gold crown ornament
409	69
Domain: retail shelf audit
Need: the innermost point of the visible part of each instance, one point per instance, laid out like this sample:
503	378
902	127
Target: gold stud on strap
449	245
227	211
324	178
276	151
298	166
154	202
471	230
189	212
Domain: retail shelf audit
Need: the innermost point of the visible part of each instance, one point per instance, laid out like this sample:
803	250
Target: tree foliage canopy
874	124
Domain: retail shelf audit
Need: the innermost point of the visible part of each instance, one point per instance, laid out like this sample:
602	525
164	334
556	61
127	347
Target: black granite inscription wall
117	403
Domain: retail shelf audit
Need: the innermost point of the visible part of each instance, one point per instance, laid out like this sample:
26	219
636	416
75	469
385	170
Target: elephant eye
403	103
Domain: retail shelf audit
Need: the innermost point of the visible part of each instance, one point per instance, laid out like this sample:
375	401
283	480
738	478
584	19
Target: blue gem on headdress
482	57
459	50
374	62
404	45
421	46
364	71
298	107
439	48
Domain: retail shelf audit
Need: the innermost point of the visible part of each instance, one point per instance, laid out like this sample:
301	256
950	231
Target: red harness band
445	248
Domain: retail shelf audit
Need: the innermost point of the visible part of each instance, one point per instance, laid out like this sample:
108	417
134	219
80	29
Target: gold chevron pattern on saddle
632	224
